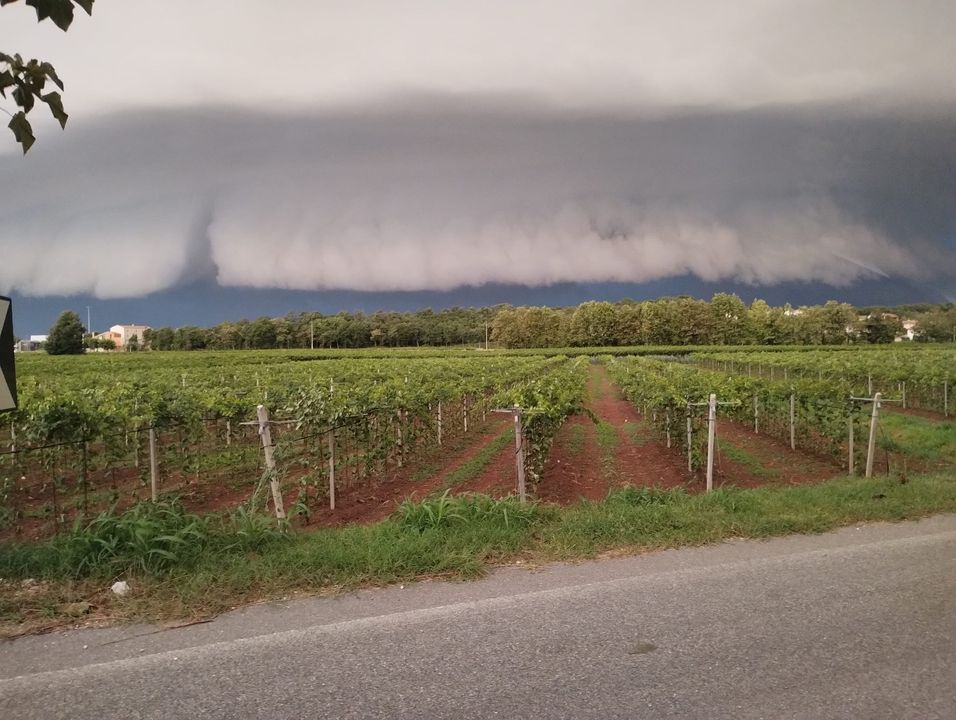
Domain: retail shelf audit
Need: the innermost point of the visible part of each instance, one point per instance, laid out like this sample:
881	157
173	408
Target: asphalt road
860	623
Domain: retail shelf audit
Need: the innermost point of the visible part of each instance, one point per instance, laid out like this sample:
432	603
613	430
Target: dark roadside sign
8	375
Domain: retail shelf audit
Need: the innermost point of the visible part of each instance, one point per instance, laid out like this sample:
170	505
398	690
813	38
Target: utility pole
486	336
312	334
89	325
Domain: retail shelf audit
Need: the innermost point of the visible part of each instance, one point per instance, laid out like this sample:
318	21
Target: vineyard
324	437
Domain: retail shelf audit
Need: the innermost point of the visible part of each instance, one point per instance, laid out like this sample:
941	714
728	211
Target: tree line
454	326
723	320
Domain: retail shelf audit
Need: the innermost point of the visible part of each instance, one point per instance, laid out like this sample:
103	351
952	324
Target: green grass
240	559
574	438
434	463
917	436
607	437
748	460
657	519
638	433
607	440
473	467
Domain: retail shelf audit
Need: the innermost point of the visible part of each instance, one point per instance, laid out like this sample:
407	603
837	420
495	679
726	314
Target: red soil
779	465
378	497
642	458
498	478
570	475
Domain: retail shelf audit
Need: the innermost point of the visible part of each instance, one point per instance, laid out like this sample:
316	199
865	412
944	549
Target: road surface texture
859	623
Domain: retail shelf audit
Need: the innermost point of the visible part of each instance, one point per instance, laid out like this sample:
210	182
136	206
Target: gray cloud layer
436	195
601	53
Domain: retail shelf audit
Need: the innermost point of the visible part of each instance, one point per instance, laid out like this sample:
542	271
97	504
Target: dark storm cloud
432	194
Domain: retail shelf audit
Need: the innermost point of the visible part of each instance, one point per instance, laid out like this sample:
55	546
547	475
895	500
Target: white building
122	334
909	330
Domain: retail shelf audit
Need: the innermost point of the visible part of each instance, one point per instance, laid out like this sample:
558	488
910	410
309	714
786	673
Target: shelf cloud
439	198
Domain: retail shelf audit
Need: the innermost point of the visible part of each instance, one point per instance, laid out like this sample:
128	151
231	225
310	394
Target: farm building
122	334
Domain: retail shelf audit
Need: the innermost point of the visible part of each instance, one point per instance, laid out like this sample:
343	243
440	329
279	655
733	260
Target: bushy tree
66	335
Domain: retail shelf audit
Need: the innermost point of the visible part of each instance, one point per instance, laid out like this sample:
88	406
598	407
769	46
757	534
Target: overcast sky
389	146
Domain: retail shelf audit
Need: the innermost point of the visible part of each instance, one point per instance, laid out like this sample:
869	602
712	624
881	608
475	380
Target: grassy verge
225	563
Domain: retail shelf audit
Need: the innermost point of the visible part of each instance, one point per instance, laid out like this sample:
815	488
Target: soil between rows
643	459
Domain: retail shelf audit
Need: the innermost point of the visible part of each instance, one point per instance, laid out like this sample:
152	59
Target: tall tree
66	335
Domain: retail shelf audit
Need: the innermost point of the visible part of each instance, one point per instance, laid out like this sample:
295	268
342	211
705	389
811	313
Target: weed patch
745	458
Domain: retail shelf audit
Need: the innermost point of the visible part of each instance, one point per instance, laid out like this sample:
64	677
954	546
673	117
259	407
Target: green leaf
23	97
22	131
59	11
6	80
55	103
48	70
86	5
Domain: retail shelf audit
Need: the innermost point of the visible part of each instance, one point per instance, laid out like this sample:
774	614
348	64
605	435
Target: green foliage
669	392
545	402
638	496
922	438
66	335
445	511
148	539
924	369
249	531
29	78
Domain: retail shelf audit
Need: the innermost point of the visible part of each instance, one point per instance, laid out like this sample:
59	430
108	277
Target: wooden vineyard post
153	465
439	422
793	421
690	442
519	456
401	440
332	469
262	413
871	447
903	390
711	438
945	398
667	419
850	443
869	385
464	410
756	415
